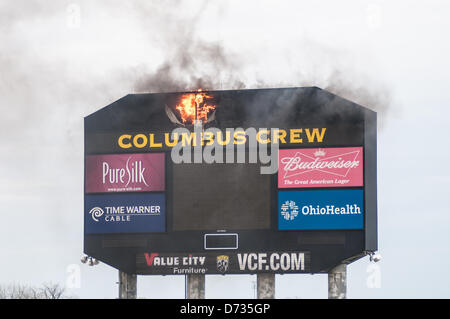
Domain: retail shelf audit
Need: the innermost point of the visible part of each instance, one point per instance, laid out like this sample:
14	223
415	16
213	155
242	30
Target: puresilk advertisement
125	173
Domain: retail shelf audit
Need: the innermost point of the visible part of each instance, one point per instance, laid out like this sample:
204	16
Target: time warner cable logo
96	212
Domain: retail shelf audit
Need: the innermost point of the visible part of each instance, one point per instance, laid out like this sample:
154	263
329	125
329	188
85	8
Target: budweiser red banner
320	167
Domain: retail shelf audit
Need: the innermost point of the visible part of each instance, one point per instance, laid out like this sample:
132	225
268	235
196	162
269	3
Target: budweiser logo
301	163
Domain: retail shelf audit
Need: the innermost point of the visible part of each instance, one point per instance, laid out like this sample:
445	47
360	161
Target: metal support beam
265	285
337	282
195	286
127	286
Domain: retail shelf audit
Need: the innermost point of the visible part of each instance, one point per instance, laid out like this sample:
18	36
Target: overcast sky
62	60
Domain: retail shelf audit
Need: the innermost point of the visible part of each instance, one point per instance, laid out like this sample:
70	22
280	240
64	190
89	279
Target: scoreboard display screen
220	197
230	182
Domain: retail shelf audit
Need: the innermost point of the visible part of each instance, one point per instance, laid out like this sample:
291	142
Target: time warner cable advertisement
224	157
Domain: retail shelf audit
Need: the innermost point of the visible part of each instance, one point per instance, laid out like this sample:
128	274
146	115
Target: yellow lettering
295	135
239	137
136	142
258	136
121	141
227	138
188	139
209	138
152	141
315	134
167	139
279	135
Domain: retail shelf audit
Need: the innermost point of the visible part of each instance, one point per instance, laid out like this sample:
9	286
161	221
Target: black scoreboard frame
323	249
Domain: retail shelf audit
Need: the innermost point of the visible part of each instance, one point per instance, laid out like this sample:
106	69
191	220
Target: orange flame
194	107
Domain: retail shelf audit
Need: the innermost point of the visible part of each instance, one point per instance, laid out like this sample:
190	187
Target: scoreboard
175	182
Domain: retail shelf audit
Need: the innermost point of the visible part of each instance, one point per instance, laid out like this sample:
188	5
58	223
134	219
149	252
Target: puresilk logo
131	173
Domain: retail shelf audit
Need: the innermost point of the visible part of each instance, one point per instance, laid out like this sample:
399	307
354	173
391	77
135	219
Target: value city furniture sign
227	263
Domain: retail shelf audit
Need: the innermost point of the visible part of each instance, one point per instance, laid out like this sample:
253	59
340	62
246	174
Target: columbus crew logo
222	263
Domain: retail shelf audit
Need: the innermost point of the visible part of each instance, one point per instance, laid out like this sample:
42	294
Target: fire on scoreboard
237	182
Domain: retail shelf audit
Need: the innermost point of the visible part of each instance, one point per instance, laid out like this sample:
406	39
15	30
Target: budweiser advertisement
320	167
125	173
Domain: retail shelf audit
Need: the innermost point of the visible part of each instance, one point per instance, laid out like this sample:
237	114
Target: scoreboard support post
337	282
265	284
127	286
195	286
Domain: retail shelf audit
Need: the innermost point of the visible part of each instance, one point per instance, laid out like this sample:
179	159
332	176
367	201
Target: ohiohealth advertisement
320	209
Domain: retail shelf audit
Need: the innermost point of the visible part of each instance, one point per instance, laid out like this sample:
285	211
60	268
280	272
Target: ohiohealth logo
289	210
96	212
